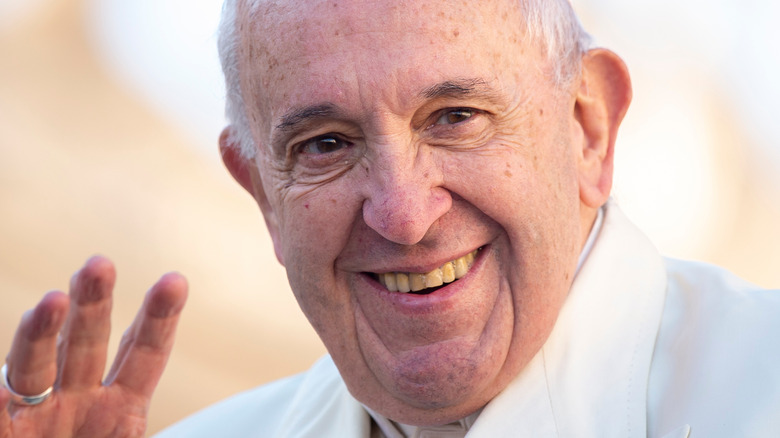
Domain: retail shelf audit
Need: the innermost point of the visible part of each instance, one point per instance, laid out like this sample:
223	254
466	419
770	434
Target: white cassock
644	347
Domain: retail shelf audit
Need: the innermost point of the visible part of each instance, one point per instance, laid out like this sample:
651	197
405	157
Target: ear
601	102
246	172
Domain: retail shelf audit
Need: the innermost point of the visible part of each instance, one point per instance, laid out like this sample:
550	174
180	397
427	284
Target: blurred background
110	112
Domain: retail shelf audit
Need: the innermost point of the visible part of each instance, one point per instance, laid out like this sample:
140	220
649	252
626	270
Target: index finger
147	344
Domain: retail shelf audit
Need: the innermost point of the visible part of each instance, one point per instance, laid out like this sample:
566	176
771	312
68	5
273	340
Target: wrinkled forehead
290	16
297	51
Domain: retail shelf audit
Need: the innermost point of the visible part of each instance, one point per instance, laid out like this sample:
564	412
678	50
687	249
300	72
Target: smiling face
416	146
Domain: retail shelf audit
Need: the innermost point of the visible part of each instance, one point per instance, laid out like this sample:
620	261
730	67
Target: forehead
298	52
290	20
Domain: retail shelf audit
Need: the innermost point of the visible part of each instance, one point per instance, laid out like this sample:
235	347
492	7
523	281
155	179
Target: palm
81	415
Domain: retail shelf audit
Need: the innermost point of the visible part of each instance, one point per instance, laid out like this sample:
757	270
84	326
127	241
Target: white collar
590	378
594	234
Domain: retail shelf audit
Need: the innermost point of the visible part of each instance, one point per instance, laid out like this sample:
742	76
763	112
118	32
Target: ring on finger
24	400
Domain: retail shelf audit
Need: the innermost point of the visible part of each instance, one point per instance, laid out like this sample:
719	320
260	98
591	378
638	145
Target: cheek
497	179
315	223
315	228
310	220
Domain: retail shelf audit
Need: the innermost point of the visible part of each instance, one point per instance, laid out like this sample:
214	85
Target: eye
454	116
324	144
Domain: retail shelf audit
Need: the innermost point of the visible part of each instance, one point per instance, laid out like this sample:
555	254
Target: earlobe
602	101
245	171
238	165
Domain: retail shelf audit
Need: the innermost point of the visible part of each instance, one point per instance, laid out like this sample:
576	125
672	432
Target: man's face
405	138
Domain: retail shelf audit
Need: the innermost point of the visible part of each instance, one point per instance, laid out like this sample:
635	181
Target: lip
438	301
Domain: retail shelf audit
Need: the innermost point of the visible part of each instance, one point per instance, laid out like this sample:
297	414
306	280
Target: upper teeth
413	282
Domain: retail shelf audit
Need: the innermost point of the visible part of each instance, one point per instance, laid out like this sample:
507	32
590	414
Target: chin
432	391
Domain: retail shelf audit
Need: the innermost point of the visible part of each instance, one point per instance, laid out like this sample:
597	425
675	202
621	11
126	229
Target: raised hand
62	344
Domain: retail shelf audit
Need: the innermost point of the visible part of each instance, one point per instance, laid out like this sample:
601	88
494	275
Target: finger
5	416
145	348
84	339
32	366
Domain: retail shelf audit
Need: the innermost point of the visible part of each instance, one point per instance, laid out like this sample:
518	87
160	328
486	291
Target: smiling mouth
424	283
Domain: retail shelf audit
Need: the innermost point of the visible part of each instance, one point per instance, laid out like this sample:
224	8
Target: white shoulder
261	411
717	354
700	295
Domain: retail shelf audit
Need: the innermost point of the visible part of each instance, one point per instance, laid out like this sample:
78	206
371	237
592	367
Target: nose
404	197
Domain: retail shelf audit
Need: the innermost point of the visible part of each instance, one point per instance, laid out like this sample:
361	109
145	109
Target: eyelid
289	140
437	115
298	148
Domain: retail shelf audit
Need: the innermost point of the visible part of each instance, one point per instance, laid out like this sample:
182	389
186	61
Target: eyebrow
300	116
458	88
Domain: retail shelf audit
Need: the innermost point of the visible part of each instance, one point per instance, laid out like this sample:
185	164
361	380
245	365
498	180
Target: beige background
86	166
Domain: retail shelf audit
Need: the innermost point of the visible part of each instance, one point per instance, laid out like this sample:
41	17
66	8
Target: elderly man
435	178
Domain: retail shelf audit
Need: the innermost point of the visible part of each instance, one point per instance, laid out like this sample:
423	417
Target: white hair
551	22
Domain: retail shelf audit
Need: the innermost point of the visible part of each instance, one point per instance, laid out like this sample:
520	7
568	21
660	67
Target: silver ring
24	400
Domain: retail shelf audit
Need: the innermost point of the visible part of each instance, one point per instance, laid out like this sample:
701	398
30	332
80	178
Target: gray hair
552	22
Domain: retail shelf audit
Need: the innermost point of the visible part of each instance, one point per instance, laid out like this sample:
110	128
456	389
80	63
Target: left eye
323	144
454	116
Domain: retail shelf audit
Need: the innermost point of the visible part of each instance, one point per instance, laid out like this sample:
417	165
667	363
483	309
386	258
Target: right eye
324	144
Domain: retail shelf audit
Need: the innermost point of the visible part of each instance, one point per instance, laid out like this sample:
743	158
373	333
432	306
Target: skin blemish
541	111
306	205
455	33
272	63
508	174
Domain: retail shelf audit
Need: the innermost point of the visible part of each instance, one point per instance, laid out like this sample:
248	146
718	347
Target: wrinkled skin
398	137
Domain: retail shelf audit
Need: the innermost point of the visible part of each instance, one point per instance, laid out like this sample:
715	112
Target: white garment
643	346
